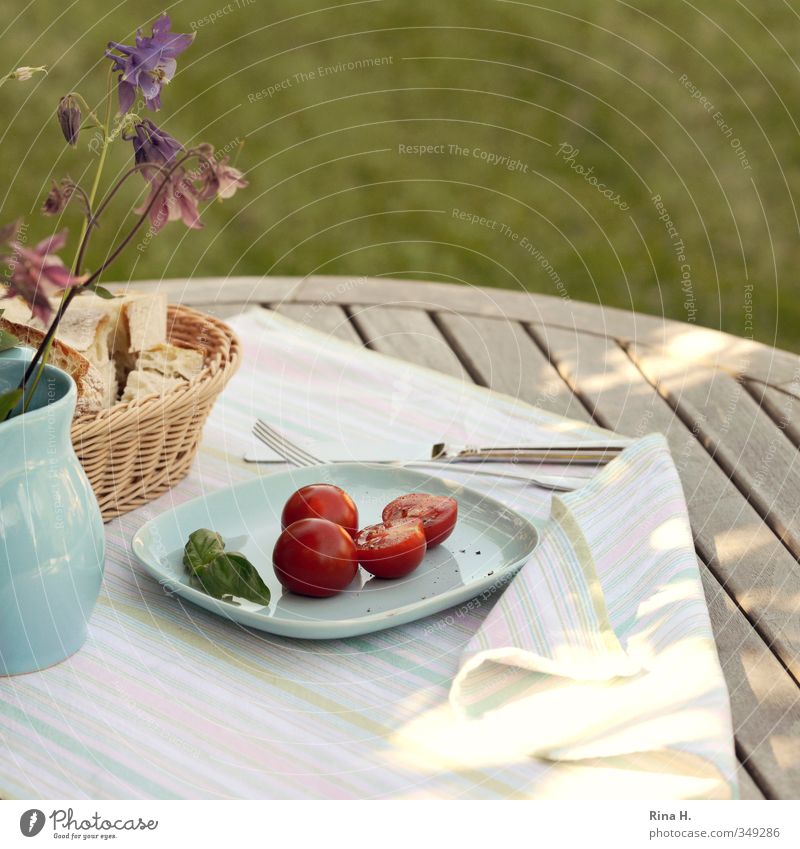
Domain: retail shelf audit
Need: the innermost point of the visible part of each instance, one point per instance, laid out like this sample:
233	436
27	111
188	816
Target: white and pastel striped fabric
593	675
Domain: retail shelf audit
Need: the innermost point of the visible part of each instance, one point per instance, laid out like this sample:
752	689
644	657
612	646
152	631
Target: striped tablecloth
167	701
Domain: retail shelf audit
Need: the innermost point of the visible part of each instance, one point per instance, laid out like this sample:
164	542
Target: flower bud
25	72
69	117
57	199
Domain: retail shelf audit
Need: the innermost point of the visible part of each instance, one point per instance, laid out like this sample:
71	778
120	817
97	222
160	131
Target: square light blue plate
489	544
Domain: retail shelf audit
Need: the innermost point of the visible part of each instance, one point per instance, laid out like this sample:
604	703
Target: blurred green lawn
335	188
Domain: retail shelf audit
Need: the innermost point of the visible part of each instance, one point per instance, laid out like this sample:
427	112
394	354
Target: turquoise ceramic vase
51	534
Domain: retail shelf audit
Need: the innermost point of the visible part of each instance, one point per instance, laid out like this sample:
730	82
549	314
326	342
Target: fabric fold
601	645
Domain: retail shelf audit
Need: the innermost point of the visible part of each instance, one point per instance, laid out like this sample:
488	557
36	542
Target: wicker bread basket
135	451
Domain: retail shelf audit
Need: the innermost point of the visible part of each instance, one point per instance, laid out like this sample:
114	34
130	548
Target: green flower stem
44	348
43	352
96	183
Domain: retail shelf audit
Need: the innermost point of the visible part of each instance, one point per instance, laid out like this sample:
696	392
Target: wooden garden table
729	407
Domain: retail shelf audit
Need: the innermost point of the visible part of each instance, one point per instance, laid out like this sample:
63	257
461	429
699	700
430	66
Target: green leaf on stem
223	575
9	400
7	340
102	293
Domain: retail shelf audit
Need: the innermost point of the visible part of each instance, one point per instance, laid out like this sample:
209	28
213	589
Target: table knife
589	453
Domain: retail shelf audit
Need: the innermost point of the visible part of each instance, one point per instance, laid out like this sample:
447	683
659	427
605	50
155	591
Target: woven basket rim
207	374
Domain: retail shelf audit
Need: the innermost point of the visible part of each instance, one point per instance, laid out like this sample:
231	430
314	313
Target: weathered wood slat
765	701
679	340
734	541
792	387
742	438
328	319
505	357
782	407
203	291
223	311
408	334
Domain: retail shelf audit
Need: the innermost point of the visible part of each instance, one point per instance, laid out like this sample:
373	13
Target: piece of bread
172	361
160	369
144	318
84	327
110	333
88	379
142	382
108	374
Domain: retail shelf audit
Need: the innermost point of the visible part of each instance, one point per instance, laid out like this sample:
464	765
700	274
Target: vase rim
65	398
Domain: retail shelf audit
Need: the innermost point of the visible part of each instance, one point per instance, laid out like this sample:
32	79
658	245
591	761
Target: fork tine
278	447
299	452
283	446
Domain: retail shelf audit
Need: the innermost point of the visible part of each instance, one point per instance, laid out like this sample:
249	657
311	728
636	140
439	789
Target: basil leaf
7	340
9	400
232	574
102	293
202	548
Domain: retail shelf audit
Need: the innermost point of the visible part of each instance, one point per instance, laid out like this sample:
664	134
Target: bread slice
172	361
144	317
88	379
142	383
84	327
110	333
108	374
160	369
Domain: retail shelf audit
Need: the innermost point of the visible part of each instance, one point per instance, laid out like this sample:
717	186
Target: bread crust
87	378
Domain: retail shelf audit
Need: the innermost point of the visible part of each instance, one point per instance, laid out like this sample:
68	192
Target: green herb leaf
102	293
9	400
219	573
232	574
202	548
7	340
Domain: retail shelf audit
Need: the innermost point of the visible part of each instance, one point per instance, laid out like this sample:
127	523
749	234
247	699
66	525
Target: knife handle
578	454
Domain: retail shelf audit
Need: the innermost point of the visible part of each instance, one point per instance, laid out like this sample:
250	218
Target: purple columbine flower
178	198
217	177
175	200
57	199
37	274
152	145
148	65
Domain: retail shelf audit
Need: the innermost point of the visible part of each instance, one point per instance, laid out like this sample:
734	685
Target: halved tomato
437	512
392	549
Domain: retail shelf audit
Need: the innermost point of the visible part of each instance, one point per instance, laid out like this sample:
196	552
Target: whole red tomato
315	557
392	549
321	501
437	512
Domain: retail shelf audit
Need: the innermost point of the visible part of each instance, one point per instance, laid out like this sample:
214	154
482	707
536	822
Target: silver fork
298	456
